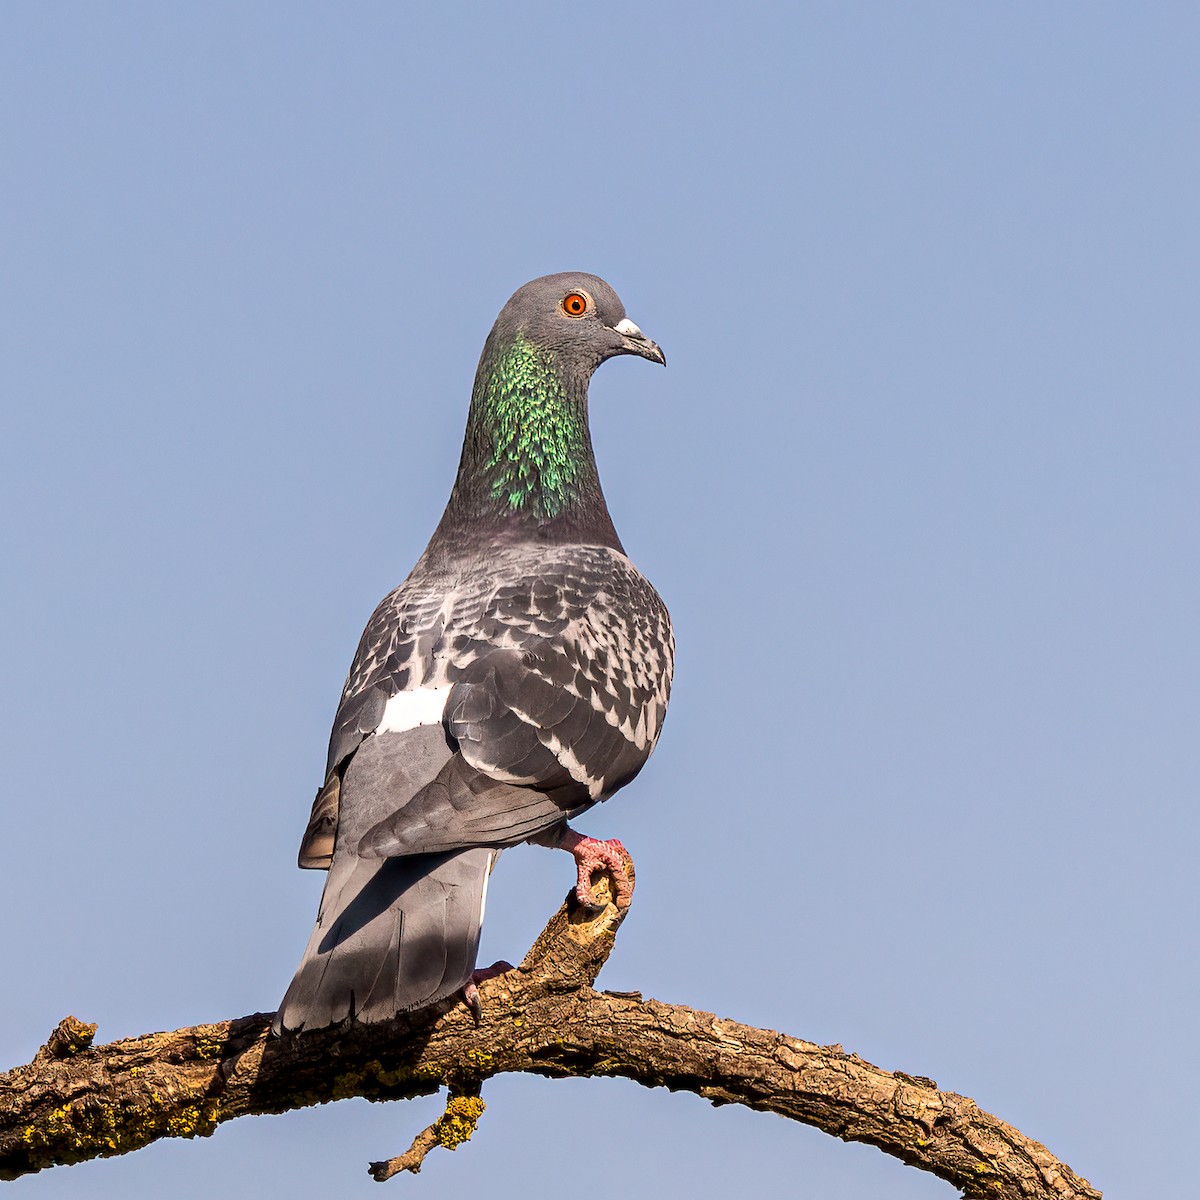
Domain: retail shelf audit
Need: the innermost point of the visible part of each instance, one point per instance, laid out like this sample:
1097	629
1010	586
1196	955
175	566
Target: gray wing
397	650
561	670
559	706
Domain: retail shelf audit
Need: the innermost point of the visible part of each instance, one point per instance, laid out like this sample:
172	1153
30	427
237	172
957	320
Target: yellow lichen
81	1130
456	1125
209	1047
347	1085
193	1120
399	1077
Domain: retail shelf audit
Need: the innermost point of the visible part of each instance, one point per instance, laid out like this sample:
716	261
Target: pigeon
518	676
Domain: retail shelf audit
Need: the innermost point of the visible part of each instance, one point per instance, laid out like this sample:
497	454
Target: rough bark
76	1101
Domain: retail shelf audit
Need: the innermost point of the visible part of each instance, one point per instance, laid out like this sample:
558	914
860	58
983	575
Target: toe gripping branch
592	855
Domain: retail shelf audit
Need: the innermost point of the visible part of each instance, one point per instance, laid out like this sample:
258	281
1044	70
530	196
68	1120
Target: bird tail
393	934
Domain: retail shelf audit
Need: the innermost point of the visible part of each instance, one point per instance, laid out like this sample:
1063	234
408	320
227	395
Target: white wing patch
407	710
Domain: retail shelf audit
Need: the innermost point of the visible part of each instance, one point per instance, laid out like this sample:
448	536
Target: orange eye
574	304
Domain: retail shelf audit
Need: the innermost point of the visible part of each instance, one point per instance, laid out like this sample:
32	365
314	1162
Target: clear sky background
920	487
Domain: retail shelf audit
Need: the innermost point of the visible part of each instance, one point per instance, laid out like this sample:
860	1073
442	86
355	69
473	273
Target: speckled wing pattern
560	659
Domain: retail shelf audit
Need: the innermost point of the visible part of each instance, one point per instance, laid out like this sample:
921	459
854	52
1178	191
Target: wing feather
561	661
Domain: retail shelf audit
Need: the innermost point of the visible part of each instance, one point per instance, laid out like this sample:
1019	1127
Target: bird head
577	317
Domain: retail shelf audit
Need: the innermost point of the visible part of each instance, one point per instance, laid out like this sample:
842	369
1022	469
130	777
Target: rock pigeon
518	676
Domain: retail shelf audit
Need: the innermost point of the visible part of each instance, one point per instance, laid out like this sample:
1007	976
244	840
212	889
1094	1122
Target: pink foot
590	855
471	991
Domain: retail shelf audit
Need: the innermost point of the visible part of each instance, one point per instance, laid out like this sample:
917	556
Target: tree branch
451	1129
76	1101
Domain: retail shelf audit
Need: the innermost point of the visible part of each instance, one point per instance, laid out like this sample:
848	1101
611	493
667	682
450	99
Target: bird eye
574	304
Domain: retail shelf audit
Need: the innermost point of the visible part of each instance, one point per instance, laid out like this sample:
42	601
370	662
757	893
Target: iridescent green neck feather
538	438
527	467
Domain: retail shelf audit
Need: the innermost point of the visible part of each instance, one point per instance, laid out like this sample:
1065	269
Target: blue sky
919	487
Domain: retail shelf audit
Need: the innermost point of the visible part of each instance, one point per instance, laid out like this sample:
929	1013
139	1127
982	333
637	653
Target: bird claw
592	854
471	999
470	992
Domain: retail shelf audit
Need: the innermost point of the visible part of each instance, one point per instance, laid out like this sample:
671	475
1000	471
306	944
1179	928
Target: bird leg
471	991
592	854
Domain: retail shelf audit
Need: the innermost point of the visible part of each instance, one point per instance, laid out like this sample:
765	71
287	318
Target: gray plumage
518	676
422	911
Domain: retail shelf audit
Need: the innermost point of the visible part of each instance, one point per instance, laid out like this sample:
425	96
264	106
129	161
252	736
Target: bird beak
636	342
